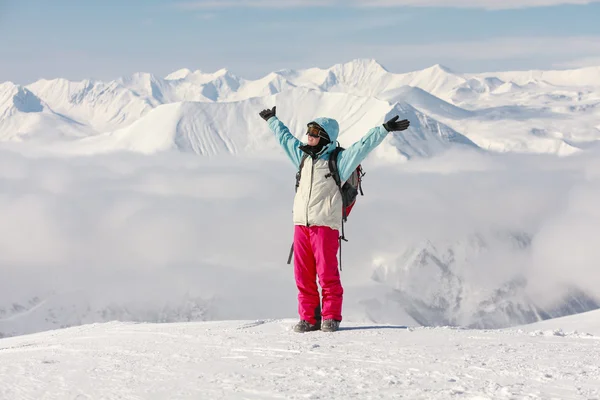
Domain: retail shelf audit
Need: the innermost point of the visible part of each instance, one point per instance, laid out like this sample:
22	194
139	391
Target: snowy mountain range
554	112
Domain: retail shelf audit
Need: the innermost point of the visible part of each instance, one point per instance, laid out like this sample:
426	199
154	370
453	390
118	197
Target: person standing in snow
317	212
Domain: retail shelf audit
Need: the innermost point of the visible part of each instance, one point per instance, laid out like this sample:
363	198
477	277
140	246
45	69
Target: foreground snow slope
588	323
266	360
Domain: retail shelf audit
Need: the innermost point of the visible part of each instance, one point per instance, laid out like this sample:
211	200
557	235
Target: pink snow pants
315	255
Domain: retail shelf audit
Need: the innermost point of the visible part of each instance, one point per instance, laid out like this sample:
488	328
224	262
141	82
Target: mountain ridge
474	106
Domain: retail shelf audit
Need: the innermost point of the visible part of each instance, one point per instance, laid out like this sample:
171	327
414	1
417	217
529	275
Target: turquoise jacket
348	159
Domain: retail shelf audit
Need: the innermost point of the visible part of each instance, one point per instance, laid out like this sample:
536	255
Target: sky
108	39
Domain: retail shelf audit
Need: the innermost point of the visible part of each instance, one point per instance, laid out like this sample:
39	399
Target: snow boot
330	325
305	326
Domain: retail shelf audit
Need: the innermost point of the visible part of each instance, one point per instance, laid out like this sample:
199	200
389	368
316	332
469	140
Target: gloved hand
266	114
394	125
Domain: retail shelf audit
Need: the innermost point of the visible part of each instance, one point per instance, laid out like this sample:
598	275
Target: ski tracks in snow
266	360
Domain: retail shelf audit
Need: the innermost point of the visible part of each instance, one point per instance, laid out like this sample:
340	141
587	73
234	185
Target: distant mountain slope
555	112
235	127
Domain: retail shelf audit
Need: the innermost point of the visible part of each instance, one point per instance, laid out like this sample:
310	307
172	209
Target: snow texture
264	359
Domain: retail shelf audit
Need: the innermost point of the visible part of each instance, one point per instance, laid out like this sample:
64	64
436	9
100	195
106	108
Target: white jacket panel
318	200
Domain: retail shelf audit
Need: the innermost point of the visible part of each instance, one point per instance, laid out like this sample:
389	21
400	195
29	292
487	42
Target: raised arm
289	143
355	154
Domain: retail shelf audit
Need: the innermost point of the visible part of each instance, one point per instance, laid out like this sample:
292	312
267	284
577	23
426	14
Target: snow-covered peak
425	102
361	73
361	66
54	87
15	98
369	77
179	74
356	66
586	76
100	105
468	104
359	76
63	90
222	72
435	71
24	116
198	77
137	78
272	83
437	80
147	85
438	69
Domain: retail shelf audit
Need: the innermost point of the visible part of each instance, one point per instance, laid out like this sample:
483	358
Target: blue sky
106	39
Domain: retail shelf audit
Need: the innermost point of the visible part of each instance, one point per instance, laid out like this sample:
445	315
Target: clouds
510	52
592	61
133	233
501	48
204	4
566	249
140	233
485	4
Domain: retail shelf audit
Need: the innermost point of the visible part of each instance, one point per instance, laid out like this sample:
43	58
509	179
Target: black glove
394	125
266	114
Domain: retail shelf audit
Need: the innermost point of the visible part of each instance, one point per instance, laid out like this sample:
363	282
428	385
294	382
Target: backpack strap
361	173
333	166
299	173
335	173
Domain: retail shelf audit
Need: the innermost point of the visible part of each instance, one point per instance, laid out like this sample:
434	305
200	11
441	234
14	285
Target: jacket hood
332	128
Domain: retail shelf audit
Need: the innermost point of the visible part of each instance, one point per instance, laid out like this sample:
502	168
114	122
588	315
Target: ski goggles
316	132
